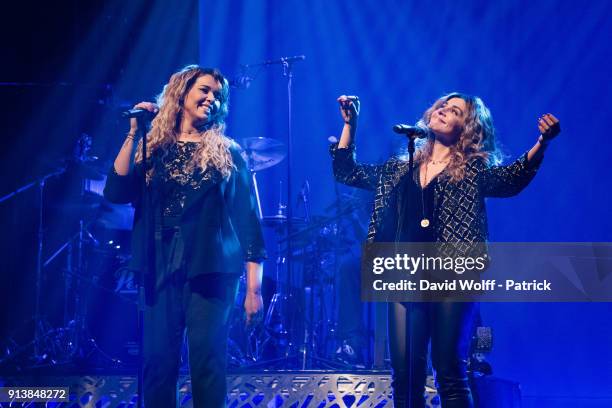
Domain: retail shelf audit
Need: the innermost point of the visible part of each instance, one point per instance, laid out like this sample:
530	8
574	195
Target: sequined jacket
219	224
459	208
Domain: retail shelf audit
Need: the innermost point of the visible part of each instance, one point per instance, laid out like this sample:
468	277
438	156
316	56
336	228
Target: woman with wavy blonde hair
476	139
206	232
170	125
442	201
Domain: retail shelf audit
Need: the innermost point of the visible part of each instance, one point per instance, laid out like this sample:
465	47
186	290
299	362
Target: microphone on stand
413	132
281	61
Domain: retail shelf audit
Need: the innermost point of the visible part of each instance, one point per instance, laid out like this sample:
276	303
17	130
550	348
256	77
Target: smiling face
199	101
447	121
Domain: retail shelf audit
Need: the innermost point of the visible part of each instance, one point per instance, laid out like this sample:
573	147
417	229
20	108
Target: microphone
138	114
281	61
215	107
414	132
148	115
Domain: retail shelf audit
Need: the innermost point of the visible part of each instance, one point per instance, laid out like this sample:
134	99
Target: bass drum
112	313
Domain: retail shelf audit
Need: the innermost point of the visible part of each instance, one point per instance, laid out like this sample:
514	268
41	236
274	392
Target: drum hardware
70	343
261	153
247	345
300	344
287	64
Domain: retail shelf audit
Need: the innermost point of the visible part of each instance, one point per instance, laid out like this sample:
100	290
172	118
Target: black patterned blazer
459	207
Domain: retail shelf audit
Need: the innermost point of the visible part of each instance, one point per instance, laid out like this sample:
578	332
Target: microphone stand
288	73
411	149
38	324
287	63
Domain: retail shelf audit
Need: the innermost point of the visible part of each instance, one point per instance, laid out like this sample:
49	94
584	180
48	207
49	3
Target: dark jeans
449	326
202	306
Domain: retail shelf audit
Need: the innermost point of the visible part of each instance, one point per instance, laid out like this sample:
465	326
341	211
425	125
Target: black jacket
219	224
459	208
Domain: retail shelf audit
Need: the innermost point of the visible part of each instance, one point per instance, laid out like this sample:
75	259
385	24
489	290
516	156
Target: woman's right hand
150	106
349	108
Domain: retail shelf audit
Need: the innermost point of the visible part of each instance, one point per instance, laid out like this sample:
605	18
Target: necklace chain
425	221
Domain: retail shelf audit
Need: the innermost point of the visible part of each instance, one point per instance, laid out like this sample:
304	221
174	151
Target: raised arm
549	128
122	182
349	109
124	162
345	167
506	181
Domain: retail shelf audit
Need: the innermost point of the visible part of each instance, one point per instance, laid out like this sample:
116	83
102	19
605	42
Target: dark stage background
70	68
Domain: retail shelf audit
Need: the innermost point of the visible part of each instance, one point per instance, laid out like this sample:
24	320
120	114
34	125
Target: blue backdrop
74	65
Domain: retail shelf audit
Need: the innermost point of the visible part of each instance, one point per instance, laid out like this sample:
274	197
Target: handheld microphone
215	107
148	115
415	132
138	114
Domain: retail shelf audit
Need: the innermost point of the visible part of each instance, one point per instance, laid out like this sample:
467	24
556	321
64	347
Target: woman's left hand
549	127
253	307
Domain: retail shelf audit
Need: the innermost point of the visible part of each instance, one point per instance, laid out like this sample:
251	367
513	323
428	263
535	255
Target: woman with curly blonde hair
442	200
206	232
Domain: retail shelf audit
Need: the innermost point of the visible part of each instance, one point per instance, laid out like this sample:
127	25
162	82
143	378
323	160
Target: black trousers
449	327
201	306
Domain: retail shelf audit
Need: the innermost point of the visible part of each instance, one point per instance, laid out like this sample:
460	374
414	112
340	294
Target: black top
218	219
415	204
178	181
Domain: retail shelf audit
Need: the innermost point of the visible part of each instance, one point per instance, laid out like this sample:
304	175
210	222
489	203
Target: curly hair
476	140
213	149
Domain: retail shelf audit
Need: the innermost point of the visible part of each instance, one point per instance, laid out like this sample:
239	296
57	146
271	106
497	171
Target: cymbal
313	228
261	143
76	208
261	152
279	220
346	203
86	203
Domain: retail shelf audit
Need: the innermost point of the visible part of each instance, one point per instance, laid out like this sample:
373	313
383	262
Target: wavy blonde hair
476	140
213	149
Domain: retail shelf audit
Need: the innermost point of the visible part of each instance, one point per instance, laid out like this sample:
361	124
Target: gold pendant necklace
424	220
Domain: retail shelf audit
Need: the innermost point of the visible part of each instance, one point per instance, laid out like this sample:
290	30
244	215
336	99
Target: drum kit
298	328
99	320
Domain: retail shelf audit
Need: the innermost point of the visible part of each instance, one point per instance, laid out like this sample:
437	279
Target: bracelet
543	141
131	136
